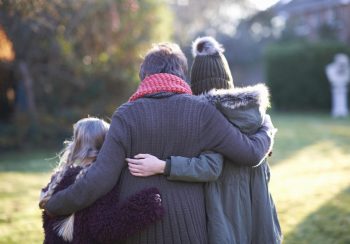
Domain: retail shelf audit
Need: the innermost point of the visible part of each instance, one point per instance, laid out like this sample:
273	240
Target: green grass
22	175
310	178
310	183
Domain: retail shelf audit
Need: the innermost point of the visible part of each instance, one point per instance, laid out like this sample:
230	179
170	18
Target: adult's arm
217	134
100	177
204	168
208	166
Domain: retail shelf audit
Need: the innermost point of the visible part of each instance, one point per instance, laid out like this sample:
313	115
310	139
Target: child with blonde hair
106	220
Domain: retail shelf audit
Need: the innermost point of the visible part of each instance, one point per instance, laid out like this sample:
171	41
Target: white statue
338	74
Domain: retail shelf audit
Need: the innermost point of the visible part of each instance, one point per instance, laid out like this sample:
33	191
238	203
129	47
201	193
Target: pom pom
207	45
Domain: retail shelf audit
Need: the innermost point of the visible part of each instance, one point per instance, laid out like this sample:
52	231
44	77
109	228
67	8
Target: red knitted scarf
161	83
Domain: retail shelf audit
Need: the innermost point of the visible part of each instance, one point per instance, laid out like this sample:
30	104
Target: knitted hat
210	68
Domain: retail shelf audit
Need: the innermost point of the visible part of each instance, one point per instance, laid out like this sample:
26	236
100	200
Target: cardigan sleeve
100	177
204	168
217	134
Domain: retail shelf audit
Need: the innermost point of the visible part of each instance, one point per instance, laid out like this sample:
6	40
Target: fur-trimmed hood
244	107
240	96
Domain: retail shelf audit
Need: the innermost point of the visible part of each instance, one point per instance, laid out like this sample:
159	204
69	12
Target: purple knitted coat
107	220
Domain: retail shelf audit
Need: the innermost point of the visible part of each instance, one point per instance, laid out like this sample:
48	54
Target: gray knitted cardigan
172	124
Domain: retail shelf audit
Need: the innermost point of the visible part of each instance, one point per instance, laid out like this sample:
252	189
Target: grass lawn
310	183
22	175
311	178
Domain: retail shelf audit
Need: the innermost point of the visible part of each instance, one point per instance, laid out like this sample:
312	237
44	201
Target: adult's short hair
164	58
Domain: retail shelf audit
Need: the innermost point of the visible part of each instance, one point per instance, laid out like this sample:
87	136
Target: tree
82	57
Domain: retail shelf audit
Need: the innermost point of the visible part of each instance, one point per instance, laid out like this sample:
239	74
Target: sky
263	4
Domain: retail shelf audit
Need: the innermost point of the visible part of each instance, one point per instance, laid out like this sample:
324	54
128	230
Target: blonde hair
81	150
88	136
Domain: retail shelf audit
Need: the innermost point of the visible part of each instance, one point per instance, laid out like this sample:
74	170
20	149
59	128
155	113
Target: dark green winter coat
238	203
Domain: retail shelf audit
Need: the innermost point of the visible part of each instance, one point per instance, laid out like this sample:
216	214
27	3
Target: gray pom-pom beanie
210	68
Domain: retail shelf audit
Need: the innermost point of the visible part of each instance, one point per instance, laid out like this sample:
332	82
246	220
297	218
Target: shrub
296	74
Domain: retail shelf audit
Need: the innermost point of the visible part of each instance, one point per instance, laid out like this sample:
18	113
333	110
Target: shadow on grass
297	131
328	225
28	162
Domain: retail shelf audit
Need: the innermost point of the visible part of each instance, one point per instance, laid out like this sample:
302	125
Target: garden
310	183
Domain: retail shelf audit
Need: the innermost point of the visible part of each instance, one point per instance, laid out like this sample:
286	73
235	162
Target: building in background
316	19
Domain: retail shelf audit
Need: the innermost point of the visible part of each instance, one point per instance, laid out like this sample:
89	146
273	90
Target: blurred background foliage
296	81
72	59
61	60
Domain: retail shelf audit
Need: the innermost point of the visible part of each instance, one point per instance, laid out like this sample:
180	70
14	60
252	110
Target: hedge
296	74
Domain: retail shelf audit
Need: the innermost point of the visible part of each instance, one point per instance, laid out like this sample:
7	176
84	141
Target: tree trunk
28	86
